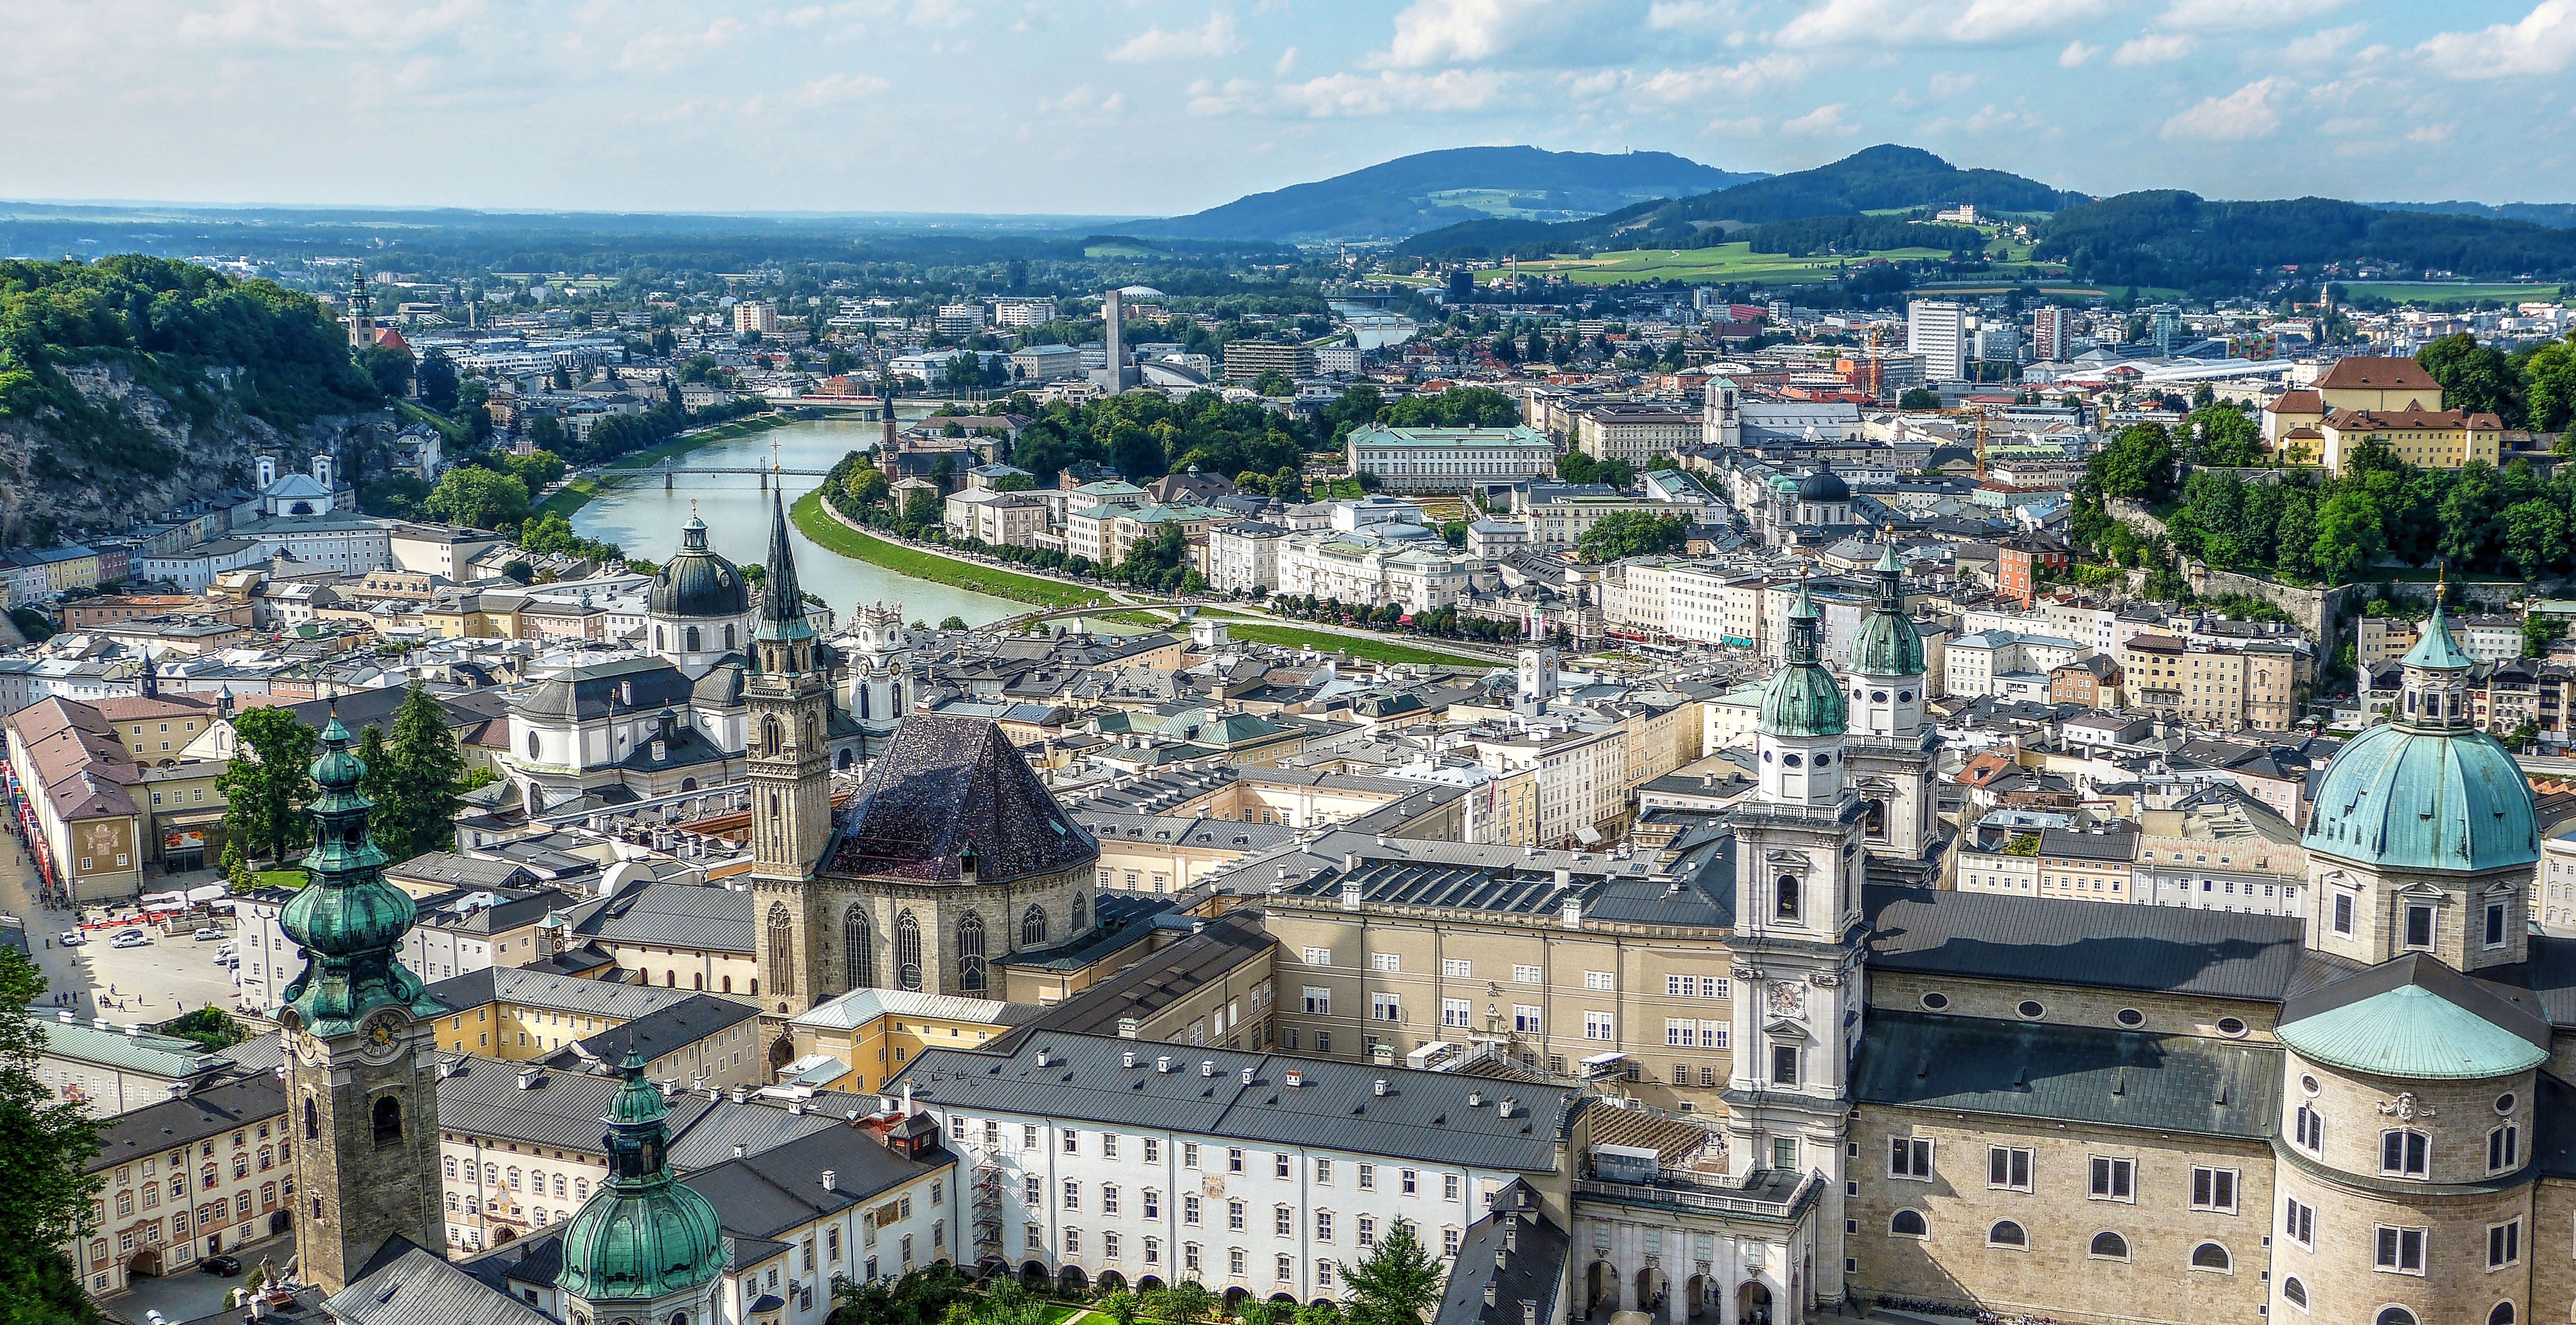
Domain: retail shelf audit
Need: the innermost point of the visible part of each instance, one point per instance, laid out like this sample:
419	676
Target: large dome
1824	485
1803	700
643	1235
2414	799
696	582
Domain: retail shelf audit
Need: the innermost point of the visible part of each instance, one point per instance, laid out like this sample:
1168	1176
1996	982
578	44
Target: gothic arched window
970	954
657	639
858	950
773	738
1032	928
312	1121
1081	913
863	703
388	1122
907	951
782	949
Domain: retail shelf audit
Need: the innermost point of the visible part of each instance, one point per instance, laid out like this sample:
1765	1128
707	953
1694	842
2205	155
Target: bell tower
1795	951
645	1248
1889	746
359	1033
788	699
362	310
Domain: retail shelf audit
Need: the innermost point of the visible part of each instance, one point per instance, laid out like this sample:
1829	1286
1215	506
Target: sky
1142	107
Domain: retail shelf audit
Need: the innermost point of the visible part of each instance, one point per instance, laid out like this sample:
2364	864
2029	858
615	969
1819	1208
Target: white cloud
1695	84
1819	122
1989	119
2155	48
1686	13
2321	46
839	89
2207	16
2544	42
662	52
1236	96
320	25
1750	127
1391	91
1432	32
1287	61
1949	84
1905	22
2076	53
2431	133
2245	113
1217	38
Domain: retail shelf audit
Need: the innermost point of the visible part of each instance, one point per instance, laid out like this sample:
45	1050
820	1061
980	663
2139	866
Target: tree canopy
268	785
45	1185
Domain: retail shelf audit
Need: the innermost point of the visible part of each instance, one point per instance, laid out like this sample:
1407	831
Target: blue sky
1139	106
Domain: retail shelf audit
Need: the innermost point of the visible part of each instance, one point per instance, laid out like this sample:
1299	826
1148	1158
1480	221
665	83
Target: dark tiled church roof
946	784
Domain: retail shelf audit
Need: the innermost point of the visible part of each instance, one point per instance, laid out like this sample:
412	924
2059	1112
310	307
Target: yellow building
854	1042
2424	438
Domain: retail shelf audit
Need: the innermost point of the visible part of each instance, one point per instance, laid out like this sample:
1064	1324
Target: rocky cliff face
48	490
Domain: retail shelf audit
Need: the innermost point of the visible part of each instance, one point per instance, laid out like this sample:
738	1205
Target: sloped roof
2376	373
945	784
2166	1083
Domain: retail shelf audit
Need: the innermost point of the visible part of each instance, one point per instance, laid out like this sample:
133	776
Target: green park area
1735	262
818	524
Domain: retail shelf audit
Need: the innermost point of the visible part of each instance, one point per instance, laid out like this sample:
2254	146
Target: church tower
1796	944
362	311
1889	747
359	1033
879	673
788	701
646	1248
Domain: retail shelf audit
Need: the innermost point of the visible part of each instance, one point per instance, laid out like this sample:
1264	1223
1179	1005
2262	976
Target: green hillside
2169	238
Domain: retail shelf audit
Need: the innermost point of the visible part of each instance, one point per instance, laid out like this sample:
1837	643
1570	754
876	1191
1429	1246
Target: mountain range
1429	190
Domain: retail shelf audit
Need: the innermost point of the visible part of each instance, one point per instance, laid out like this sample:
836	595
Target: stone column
1677	1269
1722	1265
1628	1261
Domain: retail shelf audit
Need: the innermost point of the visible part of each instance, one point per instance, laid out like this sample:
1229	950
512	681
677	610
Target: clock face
380	1038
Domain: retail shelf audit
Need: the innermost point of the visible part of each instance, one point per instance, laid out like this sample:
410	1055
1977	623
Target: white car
131	939
209	932
70	938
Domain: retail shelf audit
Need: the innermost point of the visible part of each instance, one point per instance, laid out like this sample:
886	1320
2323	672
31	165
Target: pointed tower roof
782	599
1887	644
1804	699
951	790
2438	651
349	921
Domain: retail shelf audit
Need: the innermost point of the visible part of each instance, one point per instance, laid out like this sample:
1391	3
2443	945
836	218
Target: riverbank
578	490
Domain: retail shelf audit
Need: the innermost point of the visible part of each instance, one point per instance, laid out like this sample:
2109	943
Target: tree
389	368
953	623
2549	377
1921	397
545	432
1632	534
1396	1283
2477	378
1007	1303
536	469
45	1184
1186	1302
2138	465
209	1026
478	497
419	795
268	785
2223	436
437	378
1121	1307
1274	383
518	569
2535	536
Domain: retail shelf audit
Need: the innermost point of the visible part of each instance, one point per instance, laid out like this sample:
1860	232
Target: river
639	516
1373	327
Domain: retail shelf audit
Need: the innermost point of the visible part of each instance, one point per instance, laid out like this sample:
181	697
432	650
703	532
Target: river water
639	516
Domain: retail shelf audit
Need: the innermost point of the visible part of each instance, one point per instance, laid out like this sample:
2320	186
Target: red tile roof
2297	402
2372	373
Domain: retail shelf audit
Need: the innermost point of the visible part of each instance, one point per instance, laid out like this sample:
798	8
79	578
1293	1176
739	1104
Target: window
1385	1007
1234	1215
1032	1190
1033	926
2114	1179
2211	1256
2404	1153
1385	961
1788	896
1109	1145
858	950
2311	1129
1279	1166
1153	1150
1525	1018
1597	1026
2109	1247
1234	1259
1368	1177
1323	1226
1456	968
1366	1231
1073	1242
2299	1222
2213	1189
1189	1154
1324	1172
1323	1274
1407	1182
1109	1246
1449	1238
1072	1141
1908	1224
2419	927
2294	1293
1072	1194
1286	1266
1190	1208
2006	1233
1108	1198
1449	1186
1190	1258
1784	1065
1910	1158
1527	975
2008	1168
1153	1202
2502	1146
1455	1012
1599	980
2400	1250
2502	1315
1319	956
2504	1243
1283	1222
2495	925
1319	1000
2343	913
1028	1136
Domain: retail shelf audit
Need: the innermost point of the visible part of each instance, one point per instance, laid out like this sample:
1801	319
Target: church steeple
349	920
783	640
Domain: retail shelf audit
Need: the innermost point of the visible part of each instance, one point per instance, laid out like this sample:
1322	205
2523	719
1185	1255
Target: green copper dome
1804	699
1887	643
348	920
643	1235
2414	1033
2426	790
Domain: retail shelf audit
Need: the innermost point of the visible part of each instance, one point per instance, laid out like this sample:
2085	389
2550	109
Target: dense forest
1860	234
198	339
2179	240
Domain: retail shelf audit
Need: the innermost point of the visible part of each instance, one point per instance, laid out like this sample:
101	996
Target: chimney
1207	1067
1042	1058
1127	1059
737	1150
527	1078
1504	1109
1474	1098
831	1181
133	1029
1296	1078
907	1099
1511	1235
1163	1063
740	1095
1379	1088
1351	894
667	1088
1247	1076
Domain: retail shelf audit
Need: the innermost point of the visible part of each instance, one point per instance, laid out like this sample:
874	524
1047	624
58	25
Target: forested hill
130	380
2559	214
2180	240
1428	189
1875	178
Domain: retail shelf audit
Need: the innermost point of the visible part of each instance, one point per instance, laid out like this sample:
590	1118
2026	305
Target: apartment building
2087	864
521	1015
1559	523
2555	905
2223	689
187	1178
1243	556
1449	459
1582	773
1938	331
2220	849
1369	568
1706	604
1633	431
1989	662
753	315
1246	360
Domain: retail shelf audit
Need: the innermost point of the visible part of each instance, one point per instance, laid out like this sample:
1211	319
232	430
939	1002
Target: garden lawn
819	525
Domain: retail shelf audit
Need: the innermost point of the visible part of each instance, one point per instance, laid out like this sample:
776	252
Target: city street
152	983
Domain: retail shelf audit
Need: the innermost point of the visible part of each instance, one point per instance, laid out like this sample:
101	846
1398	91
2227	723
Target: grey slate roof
656	1033
768	1193
1533	1260
1424	1115
1160	980
174	1123
418	1287
2165	948
562	1110
2166	1083
673	915
946	784
562	993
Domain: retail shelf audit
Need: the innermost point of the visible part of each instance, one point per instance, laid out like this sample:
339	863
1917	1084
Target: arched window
2394	1316
2294	1292
782	949
688	784
312	1121
2502	1315
894	697
1788	908
729	644
907	951
2211	1256
693	639
773	738
1909	1224
863	704
679	1318
388	1121
858	950
1873	818
657	639
1081	915
2109	1246
970	954
2006	1233
1032	928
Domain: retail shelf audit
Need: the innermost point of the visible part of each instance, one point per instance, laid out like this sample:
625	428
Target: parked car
132	939
226	1266
206	933
130	933
70	938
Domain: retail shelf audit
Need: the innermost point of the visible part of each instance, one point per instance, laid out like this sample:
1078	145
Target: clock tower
362	1096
